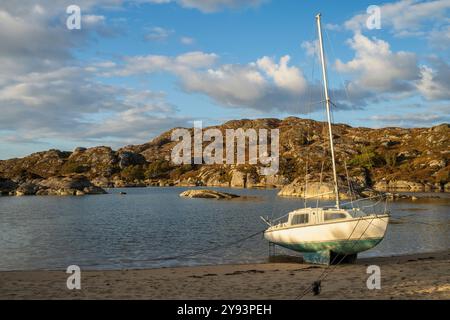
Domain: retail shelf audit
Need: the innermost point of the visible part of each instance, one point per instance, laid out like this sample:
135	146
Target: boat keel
327	257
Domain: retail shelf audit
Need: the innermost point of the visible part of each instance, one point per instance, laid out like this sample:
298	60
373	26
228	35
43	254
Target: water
132	231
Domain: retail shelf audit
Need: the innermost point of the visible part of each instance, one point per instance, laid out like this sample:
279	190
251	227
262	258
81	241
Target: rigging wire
350	189
320	182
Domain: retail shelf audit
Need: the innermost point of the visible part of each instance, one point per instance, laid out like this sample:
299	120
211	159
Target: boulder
119	183
214	177
68	186
102	182
98	161
447	187
381	186
439	164
186	182
79	150
238	179
128	158
275	181
320	190
403	185
207	194
27	189
7	186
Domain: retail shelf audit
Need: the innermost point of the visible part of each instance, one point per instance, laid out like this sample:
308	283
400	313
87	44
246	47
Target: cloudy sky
139	67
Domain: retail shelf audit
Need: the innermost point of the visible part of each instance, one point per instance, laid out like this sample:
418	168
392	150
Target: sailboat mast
327	100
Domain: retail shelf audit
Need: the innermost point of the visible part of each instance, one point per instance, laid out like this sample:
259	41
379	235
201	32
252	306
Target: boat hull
341	237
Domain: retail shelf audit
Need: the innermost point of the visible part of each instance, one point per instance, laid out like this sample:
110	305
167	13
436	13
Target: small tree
157	168
132	173
74	167
391	159
367	158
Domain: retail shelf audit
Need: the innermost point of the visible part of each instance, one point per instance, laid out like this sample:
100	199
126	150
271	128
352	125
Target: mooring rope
194	253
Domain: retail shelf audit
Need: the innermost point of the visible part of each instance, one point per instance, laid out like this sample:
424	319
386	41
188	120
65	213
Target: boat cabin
316	215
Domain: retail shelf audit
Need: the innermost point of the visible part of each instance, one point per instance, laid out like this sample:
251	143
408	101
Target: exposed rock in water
207	194
76	185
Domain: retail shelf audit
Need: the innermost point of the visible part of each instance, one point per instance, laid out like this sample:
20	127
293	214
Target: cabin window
300	219
334	216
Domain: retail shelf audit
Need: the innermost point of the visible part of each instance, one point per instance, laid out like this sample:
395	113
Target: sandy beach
419	276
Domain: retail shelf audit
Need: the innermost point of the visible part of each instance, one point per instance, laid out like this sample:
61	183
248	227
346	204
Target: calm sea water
133	231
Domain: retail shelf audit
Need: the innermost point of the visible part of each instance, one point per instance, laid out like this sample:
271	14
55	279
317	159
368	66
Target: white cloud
25	40
210	6
231	85
439	38
405	17
158	34
409	119
376	67
47	94
285	77
68	104
51	7
217	5
196	59
92	19
187	40
434	83
333	27
311	47
263	85
153	63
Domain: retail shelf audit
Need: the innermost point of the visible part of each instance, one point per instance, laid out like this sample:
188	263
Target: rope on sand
194	253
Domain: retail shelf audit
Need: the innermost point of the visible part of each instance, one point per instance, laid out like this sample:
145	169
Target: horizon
137	68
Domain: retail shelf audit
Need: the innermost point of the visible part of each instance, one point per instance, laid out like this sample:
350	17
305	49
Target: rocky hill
384	159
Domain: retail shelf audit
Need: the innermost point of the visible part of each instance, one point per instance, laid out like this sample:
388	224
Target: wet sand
419	276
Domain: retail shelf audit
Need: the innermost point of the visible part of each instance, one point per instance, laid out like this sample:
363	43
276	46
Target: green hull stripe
340	246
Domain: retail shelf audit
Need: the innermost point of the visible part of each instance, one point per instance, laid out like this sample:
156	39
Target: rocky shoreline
54	186
79	185
377	160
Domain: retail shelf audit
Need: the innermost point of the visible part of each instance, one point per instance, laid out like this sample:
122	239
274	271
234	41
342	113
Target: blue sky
138	68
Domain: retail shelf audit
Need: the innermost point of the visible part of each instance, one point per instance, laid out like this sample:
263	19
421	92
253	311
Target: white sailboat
327	235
